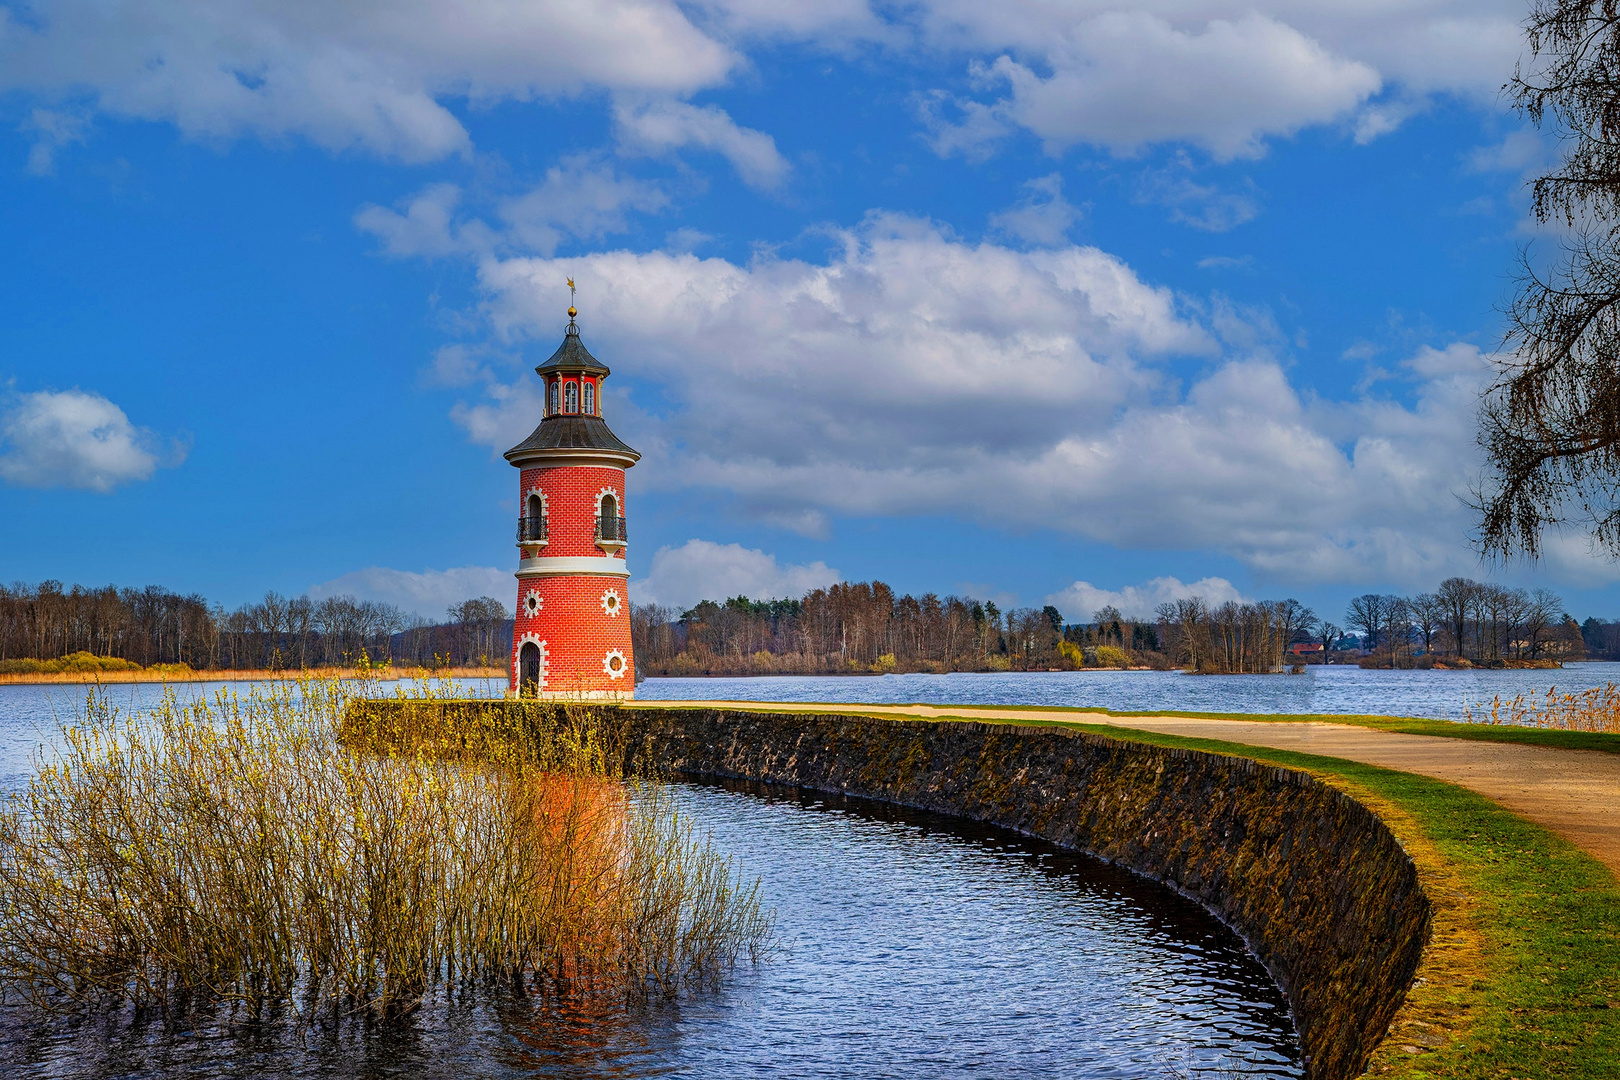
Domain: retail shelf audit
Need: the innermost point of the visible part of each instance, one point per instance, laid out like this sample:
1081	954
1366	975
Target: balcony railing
610	529
531	529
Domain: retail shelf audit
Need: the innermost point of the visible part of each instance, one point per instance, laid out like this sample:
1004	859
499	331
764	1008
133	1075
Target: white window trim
517	660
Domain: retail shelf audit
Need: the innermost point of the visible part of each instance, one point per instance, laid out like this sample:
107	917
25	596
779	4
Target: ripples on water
911	946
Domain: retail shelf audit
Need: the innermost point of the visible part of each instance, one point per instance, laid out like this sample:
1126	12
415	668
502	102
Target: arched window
554	393
608	526
529	669
533	525
590	398
571	398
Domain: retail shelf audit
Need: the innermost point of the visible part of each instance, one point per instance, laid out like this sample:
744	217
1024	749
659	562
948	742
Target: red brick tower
572	636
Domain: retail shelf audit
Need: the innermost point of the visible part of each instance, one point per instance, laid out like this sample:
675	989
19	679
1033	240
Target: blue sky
1039	301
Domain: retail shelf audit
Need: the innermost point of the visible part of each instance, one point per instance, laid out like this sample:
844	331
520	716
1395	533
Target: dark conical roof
572	356
569	432
566	432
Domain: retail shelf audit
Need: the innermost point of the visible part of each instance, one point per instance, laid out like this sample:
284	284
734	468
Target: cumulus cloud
380	78
424	225
662	127
704	570
1043	216
1221	75
1124	80
581	198
910	372
344	74
77	439
1081	600
428	593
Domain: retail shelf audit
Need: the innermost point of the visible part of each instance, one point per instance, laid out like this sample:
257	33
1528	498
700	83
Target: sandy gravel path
1575	793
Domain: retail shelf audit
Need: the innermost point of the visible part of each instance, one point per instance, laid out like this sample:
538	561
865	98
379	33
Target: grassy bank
179	673
1522	977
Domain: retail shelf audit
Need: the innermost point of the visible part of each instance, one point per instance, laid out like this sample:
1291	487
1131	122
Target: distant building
571	638
1305	648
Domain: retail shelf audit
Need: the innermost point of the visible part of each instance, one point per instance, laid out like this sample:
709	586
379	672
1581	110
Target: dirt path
1575	793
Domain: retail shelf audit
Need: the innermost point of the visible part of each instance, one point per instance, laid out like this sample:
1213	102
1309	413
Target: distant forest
852	627
156	626
864	627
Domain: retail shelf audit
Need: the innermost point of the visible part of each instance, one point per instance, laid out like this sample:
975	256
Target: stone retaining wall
1310	878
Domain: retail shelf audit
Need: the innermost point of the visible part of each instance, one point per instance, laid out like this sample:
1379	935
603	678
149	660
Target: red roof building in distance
571	639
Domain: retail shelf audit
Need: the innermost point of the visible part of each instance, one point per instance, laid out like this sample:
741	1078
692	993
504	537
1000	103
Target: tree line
1468	621
865	626
854	626
157	626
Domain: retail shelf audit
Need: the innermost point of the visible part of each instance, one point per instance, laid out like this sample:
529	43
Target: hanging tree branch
1550	423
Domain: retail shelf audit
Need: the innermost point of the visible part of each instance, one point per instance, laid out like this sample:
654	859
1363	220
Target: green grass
1539	994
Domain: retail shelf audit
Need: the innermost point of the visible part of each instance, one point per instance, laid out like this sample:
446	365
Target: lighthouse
571	639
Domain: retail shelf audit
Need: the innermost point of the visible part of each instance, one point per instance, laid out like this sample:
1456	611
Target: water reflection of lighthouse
572	634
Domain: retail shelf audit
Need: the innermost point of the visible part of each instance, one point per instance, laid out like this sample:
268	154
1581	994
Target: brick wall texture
583	619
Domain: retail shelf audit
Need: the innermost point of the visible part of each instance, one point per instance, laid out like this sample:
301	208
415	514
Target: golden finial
572	311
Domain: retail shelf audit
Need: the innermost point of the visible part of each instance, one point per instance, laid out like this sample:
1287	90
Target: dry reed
231	849
1597	709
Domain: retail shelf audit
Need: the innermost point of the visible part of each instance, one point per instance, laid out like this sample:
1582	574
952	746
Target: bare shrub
232	850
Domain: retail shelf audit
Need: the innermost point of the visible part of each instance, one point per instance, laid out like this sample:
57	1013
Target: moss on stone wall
1313	880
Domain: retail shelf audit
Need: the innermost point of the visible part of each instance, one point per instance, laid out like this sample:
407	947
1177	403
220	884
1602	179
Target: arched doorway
529	670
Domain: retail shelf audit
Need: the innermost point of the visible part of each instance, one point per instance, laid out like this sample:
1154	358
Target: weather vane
572	311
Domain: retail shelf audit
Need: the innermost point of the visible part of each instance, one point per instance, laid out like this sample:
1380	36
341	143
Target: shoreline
390	674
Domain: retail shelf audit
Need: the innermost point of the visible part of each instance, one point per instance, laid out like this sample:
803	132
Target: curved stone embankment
1312	880
1315	883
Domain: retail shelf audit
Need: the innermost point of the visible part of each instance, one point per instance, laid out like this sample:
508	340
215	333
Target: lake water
1443	695
911	945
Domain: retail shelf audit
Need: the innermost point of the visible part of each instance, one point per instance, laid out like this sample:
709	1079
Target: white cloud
1081	600
52	130
579	198
1124	80
344	74
76	439
424	226
1214	73
427	594
1203	206
1518	151
662	127
381	79
912	373
704	570
1043	216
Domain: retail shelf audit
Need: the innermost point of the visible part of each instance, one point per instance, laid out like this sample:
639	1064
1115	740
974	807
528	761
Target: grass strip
1522	978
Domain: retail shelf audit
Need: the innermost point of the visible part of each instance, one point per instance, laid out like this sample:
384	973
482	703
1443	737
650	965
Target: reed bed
1597	709
234	849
